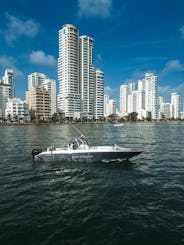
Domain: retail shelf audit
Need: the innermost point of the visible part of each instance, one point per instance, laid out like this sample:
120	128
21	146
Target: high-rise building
106	105
6	90
99	94
144	101
68	71
112	107
86	77
50	85
78	79
125	90
124	99
165	110
175	105
151	95
133	102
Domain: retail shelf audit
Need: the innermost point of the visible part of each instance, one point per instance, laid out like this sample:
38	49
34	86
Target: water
136	202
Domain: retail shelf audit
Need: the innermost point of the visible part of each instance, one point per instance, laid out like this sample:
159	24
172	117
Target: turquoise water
135	202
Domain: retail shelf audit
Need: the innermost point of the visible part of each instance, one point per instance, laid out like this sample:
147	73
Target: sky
131	37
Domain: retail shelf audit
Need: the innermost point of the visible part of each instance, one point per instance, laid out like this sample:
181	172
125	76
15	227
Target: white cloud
166	91
94	8
7	62
112	92
39	57
173	65
17	28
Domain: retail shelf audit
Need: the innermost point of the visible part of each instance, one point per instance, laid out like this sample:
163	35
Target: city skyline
130	39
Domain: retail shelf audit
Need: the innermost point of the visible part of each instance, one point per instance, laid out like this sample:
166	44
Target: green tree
132	117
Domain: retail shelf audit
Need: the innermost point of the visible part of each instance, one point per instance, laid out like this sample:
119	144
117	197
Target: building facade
68	71
6	90
99	95
78	96
143	101
17	110
38	99
50	86
165	111
151	95
37	79
175	105
125	91
86	77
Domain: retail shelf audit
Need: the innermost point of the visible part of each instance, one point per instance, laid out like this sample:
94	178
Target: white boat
118	124
80	151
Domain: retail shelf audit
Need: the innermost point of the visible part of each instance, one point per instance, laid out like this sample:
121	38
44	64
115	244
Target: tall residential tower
68	71
6	90
86	76
78	79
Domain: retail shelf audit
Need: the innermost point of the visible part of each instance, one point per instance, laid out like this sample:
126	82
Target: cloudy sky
131	37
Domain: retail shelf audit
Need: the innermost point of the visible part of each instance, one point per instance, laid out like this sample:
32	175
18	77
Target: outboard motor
36	152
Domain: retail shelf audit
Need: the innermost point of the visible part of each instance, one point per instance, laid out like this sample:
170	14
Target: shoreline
105	123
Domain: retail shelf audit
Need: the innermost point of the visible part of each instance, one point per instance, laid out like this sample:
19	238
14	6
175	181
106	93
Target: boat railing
116	147
51	148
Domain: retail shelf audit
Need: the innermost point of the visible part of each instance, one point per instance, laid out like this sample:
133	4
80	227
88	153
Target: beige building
38	99
38	79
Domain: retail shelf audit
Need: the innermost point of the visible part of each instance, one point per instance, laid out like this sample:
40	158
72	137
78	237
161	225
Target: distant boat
80	151
118	124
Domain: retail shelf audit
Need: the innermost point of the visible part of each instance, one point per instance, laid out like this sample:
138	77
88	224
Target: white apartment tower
125	90
133	102
68	71
6	90
124	99
99	94
165	110
151	95
106	105
175	105
112	107
50	85
86	77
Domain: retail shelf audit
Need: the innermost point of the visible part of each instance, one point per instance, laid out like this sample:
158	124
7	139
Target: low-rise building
17	110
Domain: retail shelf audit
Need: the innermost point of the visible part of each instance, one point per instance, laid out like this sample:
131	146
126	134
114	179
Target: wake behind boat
80	151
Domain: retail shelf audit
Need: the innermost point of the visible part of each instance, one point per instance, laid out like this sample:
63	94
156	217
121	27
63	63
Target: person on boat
70	146
84	139
74	145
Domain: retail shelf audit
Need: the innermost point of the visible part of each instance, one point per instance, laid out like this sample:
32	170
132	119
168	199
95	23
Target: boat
118	124
79	150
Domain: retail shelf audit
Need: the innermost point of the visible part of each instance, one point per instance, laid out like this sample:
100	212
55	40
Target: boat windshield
80	142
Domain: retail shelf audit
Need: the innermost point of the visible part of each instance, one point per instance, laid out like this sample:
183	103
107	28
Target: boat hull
86	157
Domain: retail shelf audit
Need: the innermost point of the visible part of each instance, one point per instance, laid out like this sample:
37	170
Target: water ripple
135	202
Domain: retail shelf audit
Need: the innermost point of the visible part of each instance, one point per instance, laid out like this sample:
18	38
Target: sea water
140	201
